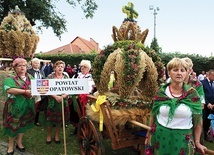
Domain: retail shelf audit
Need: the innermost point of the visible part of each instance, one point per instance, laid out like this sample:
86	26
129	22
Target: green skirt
53	114
167	141
18	116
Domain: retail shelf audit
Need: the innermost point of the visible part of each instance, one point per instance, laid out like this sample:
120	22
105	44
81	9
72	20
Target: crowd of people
180	111
21	110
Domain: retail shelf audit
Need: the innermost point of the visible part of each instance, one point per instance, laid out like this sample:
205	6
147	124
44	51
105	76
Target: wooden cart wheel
89	137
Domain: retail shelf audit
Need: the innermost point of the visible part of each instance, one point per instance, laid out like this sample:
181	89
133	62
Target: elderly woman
176	113
53	115
37	74
85	67
19	108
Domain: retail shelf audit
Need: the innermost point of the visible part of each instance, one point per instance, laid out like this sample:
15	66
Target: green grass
34	141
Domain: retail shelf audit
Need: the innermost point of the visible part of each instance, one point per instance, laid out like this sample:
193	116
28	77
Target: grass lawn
34	141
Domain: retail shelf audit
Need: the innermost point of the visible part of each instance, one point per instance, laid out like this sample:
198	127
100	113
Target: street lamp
151	7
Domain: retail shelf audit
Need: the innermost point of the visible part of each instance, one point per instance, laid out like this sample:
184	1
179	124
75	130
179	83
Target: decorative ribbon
100	100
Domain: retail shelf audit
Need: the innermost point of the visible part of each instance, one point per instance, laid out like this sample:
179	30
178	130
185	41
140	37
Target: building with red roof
77	46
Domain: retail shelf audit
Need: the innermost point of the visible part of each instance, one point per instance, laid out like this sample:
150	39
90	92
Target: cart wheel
89	137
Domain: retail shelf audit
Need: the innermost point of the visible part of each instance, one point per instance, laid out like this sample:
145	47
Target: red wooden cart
91	139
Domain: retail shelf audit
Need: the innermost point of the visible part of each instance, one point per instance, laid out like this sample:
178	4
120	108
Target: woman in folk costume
19	108
176	117
53	115
37	74
194	82
85	67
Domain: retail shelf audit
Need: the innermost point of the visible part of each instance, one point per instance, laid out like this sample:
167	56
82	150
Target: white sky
181	26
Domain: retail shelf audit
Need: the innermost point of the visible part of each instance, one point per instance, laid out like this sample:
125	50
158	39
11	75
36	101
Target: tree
154	45
43	12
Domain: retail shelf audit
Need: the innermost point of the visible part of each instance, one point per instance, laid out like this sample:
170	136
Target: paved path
3	149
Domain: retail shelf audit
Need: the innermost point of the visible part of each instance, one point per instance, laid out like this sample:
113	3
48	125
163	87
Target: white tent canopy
41	60
6	59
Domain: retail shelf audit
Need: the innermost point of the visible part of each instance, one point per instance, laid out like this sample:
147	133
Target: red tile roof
77	46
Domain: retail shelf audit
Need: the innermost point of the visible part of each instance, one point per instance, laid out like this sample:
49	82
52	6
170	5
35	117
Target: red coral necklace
175	96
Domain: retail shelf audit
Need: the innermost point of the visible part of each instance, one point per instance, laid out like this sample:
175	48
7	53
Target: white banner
59	86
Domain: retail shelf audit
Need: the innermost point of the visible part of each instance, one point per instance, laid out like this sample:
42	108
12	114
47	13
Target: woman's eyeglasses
84	67
19	66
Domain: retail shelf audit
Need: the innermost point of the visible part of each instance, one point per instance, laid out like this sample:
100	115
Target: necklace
59	77
173	95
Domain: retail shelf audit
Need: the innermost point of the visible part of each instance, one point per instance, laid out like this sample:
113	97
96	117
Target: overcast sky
185	26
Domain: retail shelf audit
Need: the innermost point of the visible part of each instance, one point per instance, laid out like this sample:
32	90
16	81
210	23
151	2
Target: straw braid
148	84
105	74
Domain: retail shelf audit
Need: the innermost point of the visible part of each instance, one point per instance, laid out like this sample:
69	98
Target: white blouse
182	118
91	83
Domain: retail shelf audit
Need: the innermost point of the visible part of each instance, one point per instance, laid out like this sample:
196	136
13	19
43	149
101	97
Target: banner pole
63	126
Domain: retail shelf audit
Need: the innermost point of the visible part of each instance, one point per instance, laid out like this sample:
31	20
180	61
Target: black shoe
48	142
10	153
57	141
74	132
20	149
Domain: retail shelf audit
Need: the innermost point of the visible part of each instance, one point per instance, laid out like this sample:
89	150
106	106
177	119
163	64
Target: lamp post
155	10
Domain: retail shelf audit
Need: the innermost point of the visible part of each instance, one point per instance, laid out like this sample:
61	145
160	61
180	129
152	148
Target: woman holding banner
53	115
19	108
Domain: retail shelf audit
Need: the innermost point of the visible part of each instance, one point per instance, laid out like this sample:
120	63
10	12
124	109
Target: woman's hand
28	93
58	98
202	148
64	96
209	106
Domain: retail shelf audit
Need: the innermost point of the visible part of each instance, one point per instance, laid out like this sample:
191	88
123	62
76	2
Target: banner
59	86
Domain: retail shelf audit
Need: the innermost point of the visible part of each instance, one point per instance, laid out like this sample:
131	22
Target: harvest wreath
18	38
136	76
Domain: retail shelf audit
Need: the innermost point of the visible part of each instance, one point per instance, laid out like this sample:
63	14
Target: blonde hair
59	62
189	61
176	62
